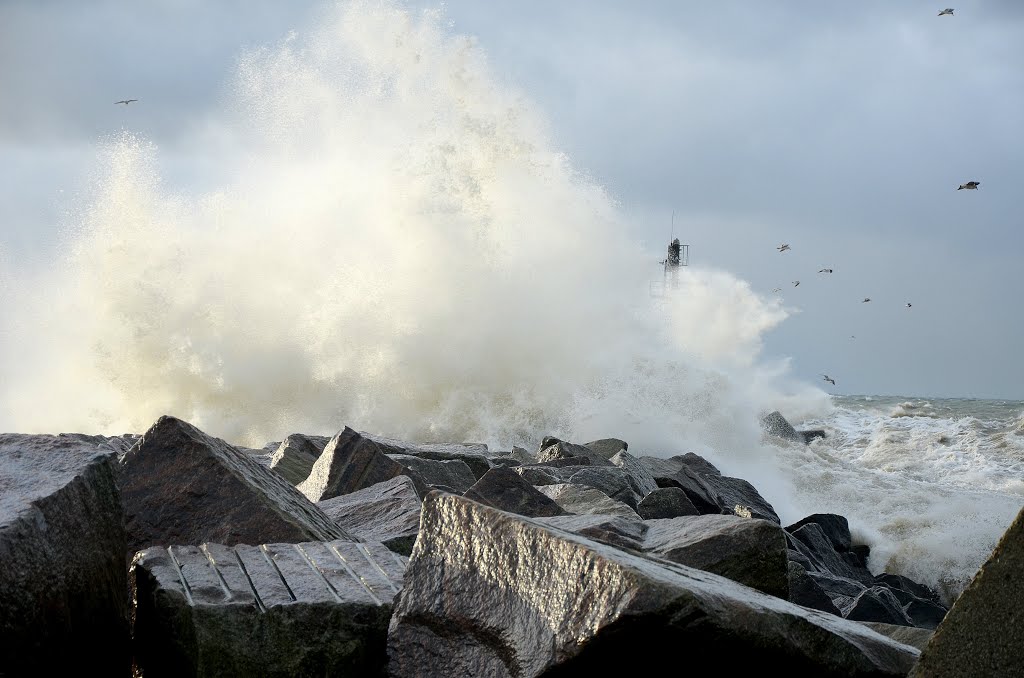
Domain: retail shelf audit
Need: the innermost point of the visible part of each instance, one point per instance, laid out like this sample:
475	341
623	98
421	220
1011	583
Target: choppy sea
930	483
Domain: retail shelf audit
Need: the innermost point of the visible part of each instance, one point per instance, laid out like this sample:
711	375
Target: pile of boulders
175	553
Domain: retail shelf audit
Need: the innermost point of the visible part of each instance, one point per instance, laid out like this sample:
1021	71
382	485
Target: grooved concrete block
312	608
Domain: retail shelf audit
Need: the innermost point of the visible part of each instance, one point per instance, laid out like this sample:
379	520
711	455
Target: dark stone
559	449
666	502
924	613
616	482
862	553
506	490
775	424
308	609
617	531
751	552
63	581
808	436
804	590
295	456
488	593
352	461
664	468
738	497
452	473
535	475
582	500
898	582
640	479
835	527
182	486
607	447
810	539
878	604
565	462
694	487
388	512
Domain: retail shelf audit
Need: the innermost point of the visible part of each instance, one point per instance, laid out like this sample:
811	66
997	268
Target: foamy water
385	236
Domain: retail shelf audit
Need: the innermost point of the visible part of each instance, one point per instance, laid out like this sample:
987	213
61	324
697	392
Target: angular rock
615	482
582	500
804	590
836	529
693	485
751	552
559	449
640	479
617	531
920	603
535	475
453	473
63	582
810	540
296	454
666	502
982	634
739	497
567	605
388	512
810	435
668	467
352	461
506	490
878	604
776	425
182	486
523	455
314	608
607	447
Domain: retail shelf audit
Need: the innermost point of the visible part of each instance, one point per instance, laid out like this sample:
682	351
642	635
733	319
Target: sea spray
395	243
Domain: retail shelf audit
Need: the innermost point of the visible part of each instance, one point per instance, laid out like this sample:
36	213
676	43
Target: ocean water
930	483
375	231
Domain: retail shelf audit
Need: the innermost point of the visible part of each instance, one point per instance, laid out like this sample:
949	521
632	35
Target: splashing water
388	239
394	245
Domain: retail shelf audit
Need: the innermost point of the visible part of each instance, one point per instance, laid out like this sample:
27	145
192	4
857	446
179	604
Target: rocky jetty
175	553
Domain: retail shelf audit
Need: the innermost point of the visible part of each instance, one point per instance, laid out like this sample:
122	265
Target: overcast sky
843	130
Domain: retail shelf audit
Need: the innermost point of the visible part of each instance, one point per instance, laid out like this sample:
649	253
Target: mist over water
385	236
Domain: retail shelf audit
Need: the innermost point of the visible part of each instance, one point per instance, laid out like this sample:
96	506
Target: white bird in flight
782	248
970	186
829	379
125	101
825	270
866	300
796	283
946	11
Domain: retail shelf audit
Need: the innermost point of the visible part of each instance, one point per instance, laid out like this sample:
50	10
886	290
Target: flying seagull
829	379
796	283
776	290
908	304
825	270
782	248
970	185
946	11
125	101
866	300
